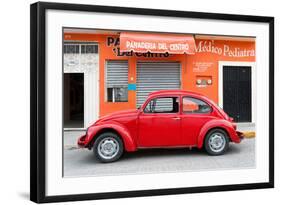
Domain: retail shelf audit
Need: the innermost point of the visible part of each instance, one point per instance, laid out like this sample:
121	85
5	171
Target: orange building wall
189	77
189	72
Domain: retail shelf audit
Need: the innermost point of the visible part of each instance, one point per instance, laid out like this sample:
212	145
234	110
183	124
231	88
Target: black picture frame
38	104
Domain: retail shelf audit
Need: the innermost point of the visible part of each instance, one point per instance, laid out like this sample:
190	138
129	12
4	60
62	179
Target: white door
84	58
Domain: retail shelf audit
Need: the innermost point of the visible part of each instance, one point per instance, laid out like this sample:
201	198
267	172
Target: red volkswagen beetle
170	118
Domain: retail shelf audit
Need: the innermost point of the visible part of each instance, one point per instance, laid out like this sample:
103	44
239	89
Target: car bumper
240	135
81	141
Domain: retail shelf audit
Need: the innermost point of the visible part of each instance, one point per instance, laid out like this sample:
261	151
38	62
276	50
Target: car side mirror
231	118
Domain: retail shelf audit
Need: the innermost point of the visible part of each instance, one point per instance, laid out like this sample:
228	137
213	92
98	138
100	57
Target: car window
194	105
163	105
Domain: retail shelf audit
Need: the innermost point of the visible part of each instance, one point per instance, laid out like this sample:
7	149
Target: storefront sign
206	46
224	50
202	66
115	43
157	43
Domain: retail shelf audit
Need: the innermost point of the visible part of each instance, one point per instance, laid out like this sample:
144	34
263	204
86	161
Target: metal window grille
80	48
117	81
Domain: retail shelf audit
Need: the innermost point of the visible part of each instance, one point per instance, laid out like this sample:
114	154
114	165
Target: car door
159	123
195	113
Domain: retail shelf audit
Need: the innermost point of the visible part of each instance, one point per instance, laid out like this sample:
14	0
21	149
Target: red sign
157	43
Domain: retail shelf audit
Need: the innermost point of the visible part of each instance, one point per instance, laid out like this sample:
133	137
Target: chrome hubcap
108	148
217	142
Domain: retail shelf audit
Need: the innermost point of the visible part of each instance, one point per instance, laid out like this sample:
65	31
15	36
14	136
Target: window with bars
71	49
117	81
89	49
76	48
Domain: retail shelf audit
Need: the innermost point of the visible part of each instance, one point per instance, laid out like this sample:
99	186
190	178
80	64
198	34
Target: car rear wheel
108	147
216	142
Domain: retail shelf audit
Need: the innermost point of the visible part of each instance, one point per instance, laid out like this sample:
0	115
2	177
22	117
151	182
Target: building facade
100	79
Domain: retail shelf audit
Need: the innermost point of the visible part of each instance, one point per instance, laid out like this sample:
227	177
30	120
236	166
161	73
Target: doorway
81	84
237	92
73	100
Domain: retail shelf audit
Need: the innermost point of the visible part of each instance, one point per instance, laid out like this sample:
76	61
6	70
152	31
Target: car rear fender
219	124
127	138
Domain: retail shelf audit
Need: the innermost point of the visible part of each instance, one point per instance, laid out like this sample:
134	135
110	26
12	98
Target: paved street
81	162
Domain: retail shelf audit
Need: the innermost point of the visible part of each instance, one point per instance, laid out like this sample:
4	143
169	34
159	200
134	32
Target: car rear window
194	105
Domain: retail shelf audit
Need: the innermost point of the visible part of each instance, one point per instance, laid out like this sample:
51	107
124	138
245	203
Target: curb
249	134
71	147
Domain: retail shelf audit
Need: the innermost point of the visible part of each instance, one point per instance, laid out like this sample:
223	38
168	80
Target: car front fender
220	124
127	138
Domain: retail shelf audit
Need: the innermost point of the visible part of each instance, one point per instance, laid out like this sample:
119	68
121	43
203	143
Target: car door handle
176	118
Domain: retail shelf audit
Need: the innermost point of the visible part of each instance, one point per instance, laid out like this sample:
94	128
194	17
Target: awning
157	43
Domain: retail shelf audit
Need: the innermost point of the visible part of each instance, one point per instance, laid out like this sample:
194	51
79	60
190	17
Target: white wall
14	103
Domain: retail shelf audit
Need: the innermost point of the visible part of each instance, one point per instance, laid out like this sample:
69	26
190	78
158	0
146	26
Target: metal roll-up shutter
117	74
154	76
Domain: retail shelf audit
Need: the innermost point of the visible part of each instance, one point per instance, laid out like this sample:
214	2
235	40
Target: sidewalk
71	137
246	127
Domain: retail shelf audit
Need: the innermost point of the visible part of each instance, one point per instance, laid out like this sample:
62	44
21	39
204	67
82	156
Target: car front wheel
216	142
108	147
